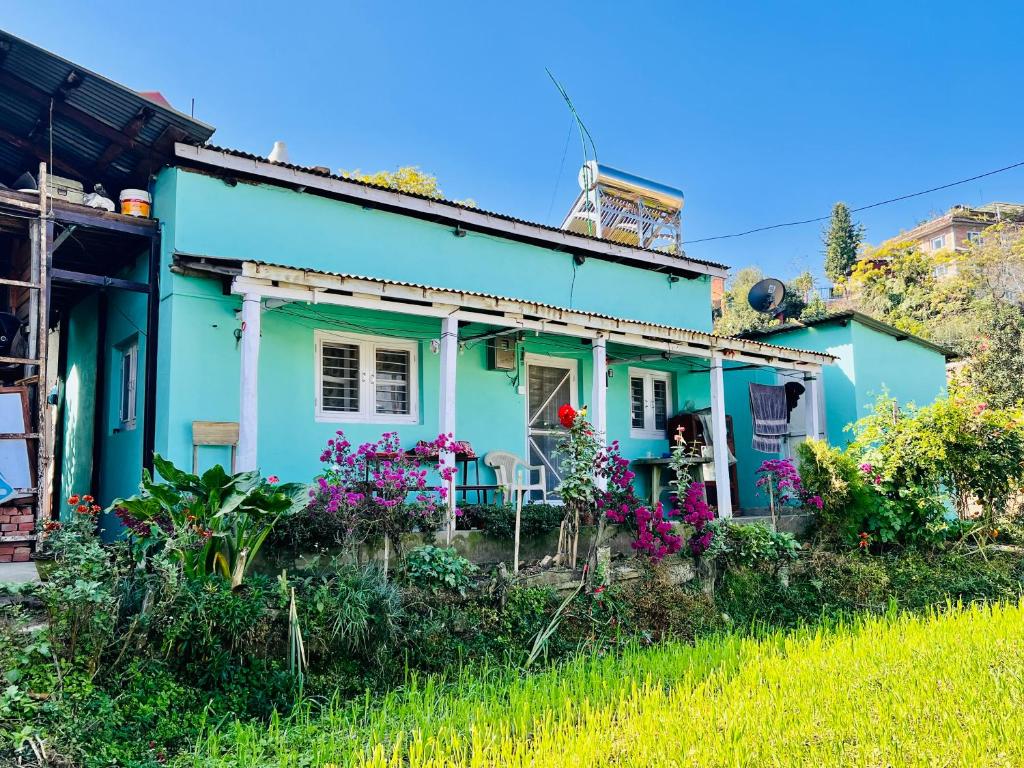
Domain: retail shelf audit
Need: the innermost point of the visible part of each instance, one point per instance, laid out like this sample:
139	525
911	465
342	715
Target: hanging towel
770	416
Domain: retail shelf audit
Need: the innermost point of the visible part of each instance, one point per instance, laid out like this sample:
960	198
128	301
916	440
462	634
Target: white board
14	458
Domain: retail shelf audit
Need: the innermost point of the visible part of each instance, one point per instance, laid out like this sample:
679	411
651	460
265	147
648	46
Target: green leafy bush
436	568
754	545
834	476
500	519
215	523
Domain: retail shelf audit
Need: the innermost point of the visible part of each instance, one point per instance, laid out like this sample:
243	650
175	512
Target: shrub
500	519
833	475
754	545
214	523
436	568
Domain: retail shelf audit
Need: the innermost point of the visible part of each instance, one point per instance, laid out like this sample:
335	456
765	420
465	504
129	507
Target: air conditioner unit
501	353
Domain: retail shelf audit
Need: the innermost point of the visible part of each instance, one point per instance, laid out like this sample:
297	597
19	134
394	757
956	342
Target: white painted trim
446	414
318	288
368	344
548	361
446	211
598	410
720	439
649	375
248	416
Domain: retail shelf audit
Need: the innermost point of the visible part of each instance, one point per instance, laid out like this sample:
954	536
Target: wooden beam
131	132
62	108
103	281
40	153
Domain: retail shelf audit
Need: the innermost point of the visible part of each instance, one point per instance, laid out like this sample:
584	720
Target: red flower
72	500
83	509
88	499
567	415
273	480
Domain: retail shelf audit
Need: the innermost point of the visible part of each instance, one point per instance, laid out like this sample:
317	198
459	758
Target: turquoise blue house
294	303
872	358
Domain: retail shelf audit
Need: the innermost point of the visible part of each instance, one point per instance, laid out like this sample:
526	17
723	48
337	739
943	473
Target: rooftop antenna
585	136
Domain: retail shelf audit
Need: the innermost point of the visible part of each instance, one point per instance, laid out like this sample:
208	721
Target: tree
407	178
842	241
995	372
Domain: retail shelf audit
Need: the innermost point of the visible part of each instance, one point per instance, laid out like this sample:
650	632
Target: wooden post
449	349
248	422
520	489
720	444
42	323
598	411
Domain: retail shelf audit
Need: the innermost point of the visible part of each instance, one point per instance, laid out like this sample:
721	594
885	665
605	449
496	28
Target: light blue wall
79	392
205	216
910	372
121	450
203	370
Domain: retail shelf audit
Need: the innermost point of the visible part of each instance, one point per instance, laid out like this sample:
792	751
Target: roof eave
446	212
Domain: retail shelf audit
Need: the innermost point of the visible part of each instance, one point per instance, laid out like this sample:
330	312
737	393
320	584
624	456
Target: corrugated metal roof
711	337
453	203
89	111
860	317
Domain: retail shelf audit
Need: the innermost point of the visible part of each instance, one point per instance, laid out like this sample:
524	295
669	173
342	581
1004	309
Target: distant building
957	229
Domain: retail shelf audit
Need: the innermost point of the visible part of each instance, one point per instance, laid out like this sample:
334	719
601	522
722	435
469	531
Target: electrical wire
878	204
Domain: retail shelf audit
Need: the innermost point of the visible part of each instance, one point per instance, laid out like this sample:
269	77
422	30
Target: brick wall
16	521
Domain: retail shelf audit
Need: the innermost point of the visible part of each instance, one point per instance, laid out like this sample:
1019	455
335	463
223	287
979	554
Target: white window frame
368	346
649	376
974	238
941	240
127	401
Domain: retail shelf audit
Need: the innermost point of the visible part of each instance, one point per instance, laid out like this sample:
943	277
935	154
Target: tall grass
895	691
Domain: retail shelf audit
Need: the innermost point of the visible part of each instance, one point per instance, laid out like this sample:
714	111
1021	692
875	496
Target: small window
650	400
974	237
938	243
366	379
128	361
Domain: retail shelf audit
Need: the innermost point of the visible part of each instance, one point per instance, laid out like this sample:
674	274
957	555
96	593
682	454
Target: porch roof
318	287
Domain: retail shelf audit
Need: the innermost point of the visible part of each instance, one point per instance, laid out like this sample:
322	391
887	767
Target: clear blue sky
760	112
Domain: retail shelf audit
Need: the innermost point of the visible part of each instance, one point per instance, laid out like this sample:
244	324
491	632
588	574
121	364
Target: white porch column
720	438
248	416
598	409
449	349
812	384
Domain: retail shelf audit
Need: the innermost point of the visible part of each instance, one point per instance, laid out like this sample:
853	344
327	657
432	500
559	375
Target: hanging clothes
770	416
794	389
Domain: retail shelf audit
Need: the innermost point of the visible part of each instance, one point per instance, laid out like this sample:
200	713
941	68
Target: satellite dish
767	295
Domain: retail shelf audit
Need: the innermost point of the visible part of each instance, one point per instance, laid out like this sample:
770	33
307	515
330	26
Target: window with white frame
974	237
650	402
128	372
938	242
366	378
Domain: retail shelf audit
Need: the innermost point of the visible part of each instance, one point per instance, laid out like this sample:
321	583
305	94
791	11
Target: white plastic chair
505	465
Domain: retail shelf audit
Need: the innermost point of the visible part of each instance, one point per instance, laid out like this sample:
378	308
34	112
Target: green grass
945	690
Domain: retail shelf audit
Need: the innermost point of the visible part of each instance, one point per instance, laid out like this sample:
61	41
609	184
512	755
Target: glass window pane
660	403
549	390
393	381
126	386
340	378
636	402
